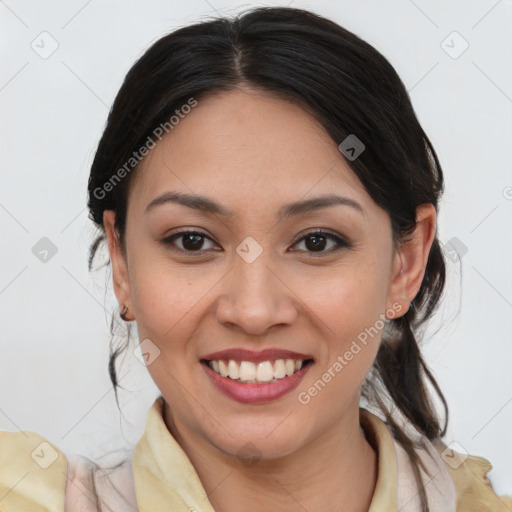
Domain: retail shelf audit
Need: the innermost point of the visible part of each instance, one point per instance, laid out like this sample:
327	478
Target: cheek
350	308
350	316
348	299
165	296
167	304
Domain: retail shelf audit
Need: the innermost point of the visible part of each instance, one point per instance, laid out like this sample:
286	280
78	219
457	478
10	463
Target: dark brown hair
350	88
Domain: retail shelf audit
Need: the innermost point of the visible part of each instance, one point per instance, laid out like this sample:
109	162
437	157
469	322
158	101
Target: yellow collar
36	475
164	476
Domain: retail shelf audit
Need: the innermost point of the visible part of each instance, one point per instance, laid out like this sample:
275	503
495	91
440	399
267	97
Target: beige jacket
36	476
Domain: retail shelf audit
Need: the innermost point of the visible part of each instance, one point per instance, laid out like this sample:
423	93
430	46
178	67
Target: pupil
194	244
316	244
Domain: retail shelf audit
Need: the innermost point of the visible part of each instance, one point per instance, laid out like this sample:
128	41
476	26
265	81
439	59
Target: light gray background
55	315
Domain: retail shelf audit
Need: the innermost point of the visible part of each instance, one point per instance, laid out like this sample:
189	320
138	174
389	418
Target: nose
255	298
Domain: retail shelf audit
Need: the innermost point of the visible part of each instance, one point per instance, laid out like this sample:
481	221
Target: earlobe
117	258
411	259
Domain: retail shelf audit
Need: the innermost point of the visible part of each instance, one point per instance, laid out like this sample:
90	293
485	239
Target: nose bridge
252	274
254	298
252	267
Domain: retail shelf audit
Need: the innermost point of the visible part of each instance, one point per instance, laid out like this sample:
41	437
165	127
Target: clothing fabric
36	476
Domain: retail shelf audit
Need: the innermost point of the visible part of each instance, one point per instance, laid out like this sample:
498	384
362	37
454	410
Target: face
299	315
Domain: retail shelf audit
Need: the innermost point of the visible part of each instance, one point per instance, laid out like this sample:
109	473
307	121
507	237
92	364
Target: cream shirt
36	476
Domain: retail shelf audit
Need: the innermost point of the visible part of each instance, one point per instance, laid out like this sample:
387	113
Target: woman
269	201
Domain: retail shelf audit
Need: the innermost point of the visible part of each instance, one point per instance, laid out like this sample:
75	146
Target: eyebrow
207	205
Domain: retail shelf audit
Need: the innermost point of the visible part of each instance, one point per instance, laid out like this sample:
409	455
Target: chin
267	437
251	449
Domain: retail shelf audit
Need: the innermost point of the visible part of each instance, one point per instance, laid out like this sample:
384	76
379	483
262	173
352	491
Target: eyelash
341	242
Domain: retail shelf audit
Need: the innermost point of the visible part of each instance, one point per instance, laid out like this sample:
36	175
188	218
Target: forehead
246	148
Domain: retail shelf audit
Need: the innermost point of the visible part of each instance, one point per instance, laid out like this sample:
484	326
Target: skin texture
253	153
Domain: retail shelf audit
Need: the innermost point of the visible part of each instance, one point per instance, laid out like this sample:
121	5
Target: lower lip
255	393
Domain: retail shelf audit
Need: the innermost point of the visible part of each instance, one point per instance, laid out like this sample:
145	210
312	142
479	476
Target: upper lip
241	354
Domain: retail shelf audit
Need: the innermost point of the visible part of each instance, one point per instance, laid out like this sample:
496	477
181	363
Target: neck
320	476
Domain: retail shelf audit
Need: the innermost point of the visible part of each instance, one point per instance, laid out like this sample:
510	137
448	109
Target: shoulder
474	492
36	475
454	482
32	473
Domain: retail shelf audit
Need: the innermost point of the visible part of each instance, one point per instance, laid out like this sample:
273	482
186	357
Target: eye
316	241
192	241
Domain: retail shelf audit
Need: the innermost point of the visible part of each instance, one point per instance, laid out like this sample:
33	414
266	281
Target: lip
255	393
241	354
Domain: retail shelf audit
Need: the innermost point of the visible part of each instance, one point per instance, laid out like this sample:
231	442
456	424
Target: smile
263	372
256	377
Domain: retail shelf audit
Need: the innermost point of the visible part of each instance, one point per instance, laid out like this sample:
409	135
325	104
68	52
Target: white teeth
279	369
247	370
289	366
256	373
223	369
265	372
233	370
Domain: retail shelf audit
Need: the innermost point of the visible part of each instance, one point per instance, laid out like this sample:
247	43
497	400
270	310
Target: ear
410	260
119	264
